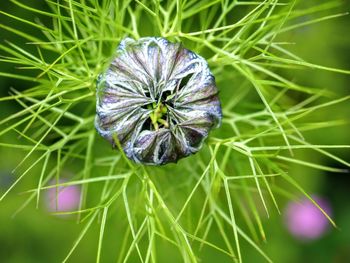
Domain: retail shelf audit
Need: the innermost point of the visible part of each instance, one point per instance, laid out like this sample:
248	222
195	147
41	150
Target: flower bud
159	99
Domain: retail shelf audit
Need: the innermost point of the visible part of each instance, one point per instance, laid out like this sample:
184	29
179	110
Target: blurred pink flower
63	198
305	221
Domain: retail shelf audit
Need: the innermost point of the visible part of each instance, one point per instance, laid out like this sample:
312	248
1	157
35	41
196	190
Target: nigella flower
63	198
305	221
158	99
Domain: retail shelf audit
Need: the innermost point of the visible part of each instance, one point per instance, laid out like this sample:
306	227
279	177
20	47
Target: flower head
159	99
63	198
305	221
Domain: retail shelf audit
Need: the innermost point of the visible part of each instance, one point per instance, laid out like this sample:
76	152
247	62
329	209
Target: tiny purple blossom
305	221
63	198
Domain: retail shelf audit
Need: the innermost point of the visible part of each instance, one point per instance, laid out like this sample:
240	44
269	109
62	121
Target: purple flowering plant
172	114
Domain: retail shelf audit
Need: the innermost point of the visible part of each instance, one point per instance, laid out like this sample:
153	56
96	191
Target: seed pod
159	99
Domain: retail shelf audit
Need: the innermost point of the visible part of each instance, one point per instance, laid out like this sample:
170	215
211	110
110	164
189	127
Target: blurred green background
34	235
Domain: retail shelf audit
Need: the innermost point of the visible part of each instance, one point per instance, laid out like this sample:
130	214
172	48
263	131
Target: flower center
158	115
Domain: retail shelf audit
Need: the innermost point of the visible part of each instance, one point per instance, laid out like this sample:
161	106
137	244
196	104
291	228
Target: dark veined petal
160	100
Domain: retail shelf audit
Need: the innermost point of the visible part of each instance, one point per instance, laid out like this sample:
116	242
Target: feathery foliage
214	201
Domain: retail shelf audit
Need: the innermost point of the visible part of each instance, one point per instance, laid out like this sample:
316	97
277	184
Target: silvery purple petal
159	99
